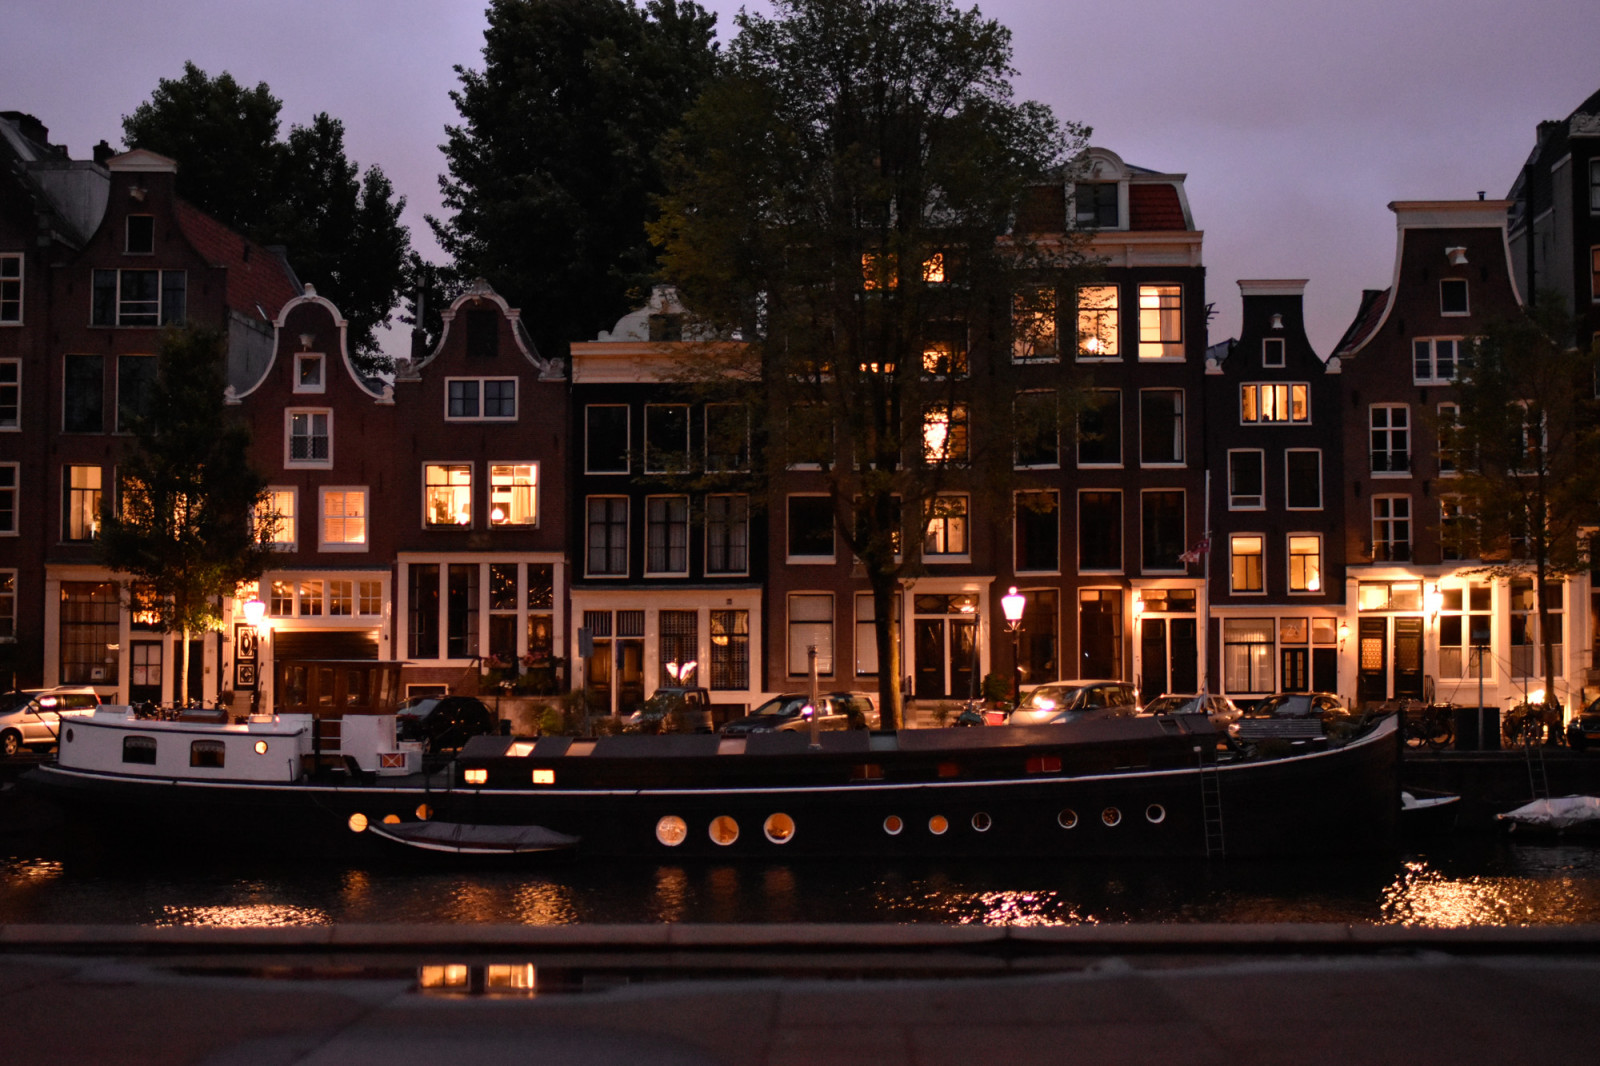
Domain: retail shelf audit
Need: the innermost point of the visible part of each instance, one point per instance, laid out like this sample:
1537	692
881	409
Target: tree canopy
1525	446
340	225
841	197
183	523
553	168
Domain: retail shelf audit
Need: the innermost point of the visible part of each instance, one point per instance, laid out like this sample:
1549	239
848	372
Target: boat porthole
723	830
1111	816
424	812
938	824
391	819
981	822
672	831
261	747
358	822
1155	814
779	828
1067	819
892	825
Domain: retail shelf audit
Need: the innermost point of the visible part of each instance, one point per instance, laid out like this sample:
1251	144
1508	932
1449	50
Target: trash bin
1466	725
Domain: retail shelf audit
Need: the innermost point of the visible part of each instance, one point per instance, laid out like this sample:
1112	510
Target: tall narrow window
1160	322
605	439
10	289
84	387
679	643
1100	530
1161	427
308	372
310	438
1272	352
141	234
1038	430
1303	478
275	518
810	626
1449	427
423	607
8	604
1037	533
727	437
136	379
730	650
1391	529
1453	296
1100	430
1161	523
8	499
1247	655
1464	628
727	534
1033	327
1245	563
1246	484
1458	530
461	611
666	438
947	527
666	535
81	513
10	394
1305	562
1391	438
607	536
88	633
944	433
1098	323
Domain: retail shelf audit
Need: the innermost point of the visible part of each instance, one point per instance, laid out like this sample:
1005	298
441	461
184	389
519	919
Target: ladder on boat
1538	776
1211	802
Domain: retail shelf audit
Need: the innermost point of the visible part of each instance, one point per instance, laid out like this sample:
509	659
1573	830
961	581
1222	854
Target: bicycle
1428	725
1533	723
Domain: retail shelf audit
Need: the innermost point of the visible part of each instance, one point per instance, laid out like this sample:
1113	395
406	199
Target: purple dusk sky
1295	123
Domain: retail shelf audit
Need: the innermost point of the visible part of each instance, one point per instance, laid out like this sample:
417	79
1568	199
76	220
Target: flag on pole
1196	553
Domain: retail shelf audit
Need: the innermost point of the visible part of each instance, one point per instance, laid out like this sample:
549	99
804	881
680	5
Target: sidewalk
773	996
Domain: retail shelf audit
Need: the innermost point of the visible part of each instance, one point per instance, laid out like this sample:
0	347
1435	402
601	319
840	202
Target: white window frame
1234	497
1055	404
1181	416
627	444
289	462
291	521
1122	541
533	486
1097	316
826	656
1322	493
627	536
954	448
1594	186
684	525
1466	293
807	560
8	605
1389	520
745	522
706	421
1017	509
13	488
12	369
1159	315
304	359
1388	429
482	384
1289	558
1449	414
449	485
69	511
1282	394
1261	563
1273	344
965	518
1035	326
117	312
1433	377
1122	438
323	543
14	281
688	459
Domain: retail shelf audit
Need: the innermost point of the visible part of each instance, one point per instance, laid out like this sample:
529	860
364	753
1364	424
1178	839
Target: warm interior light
479	776
544	777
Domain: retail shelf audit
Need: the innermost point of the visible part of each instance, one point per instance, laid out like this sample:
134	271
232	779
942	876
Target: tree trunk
183	668
890	693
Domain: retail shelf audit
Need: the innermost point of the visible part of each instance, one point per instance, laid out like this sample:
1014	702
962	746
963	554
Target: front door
630	675
1296	669
1372	657
1153	658
144	671
929	684
1169	656
1408	658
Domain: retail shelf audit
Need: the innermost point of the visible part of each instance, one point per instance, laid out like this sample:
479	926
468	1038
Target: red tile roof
1373	303
259	282
1154	207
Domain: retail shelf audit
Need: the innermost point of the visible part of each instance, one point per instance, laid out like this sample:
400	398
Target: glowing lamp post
1012	604
254	613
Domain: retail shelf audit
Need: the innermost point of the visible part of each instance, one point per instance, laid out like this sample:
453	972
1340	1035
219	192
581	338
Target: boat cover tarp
464	837
1561	813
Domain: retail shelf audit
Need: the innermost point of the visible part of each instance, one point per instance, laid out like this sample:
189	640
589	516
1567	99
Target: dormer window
1096	205
141	235
1453	296
308	372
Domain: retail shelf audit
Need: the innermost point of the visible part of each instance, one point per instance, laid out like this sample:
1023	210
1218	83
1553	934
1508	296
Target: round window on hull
724	830
938	825
1111	816
1067	819
893	825
779	828
981	822
672	830
1155	814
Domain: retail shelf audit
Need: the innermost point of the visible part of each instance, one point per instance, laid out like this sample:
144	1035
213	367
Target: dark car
1584	729
1323	705
1220	709
787	713
444	721
1072	701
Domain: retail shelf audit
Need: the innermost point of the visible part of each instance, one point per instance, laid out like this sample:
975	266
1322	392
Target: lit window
447	493
1247	655
1033	326
10	289
1305	563
1245	559
341	598
878	272
308	372
1453	296
1434	359
944	433
1160	322
275	518
371	597
947	526
944	349
81	519
310	438
281	603
1097	322
344	519
514	494
1273	403
933	269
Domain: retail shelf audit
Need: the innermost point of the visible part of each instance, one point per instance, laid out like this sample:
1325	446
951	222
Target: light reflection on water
1473	882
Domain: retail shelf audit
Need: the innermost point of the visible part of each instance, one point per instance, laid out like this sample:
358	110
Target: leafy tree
1526	446
184	524
841	197
553	169
341	226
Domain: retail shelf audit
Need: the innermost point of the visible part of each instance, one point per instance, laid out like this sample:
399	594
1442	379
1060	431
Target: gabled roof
1373	303
259	281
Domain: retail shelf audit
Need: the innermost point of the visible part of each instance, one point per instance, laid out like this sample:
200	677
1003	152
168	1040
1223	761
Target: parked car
1324	705
444	721
31	718
1584	729
1073	701
787	713
1220	709
672	709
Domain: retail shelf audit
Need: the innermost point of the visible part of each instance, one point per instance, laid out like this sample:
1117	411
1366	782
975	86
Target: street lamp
1011	604
254	613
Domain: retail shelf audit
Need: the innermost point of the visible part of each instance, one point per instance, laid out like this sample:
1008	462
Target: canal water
1459	882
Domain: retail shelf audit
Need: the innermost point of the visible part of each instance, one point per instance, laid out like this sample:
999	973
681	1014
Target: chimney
103	153
29	126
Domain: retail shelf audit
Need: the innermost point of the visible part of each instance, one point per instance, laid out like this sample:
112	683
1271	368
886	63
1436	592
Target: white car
1073	701
31	718
1220	709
